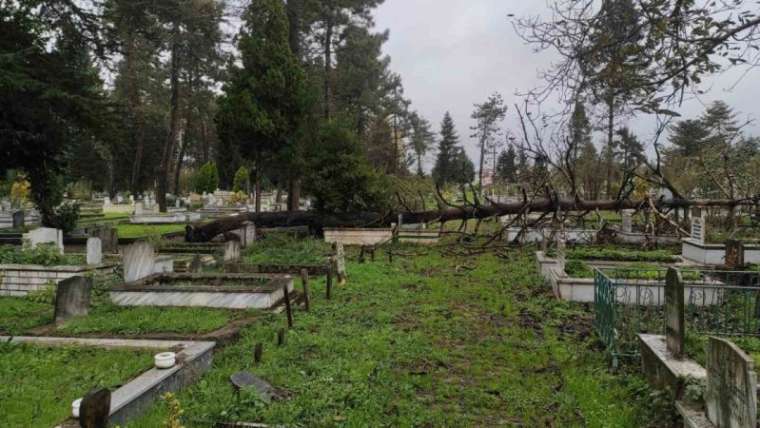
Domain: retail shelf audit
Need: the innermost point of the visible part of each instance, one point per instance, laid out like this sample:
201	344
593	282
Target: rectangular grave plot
230	291
294	269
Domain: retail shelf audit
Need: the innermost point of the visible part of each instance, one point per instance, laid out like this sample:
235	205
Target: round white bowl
165	360
75	407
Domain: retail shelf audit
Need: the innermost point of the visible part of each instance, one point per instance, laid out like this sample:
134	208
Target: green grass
617	253
147	230
18	314
695	347
431	340
281	248
114	320
641	271
37	385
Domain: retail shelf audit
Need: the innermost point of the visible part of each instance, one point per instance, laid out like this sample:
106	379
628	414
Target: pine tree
448	153
506	168
422	140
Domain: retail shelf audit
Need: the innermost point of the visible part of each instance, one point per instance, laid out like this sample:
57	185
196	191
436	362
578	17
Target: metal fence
628	302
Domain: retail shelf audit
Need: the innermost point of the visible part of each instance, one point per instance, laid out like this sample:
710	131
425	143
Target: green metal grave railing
628	302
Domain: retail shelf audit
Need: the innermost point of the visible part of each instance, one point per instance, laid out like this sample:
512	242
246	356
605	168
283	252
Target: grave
731	394
139	260
18	219
662	357
734	254
44	235
137	396
627	221
94	251
675	330
109	239
231	291
72	298
358	236
246	234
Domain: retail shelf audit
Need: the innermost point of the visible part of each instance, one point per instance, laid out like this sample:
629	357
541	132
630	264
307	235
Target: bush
240	182
339	176
66	217
207	178
46	255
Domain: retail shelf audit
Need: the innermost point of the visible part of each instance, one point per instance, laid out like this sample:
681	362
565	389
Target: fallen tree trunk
318	221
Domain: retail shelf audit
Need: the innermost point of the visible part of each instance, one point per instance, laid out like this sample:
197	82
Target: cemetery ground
440	336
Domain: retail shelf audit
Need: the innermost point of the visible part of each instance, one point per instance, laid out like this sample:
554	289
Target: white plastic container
75	407
165	360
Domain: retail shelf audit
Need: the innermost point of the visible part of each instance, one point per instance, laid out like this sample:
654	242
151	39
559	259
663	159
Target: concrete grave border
134	398
155	290
18	280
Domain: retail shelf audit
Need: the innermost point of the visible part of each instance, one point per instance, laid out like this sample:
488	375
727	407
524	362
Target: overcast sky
454	53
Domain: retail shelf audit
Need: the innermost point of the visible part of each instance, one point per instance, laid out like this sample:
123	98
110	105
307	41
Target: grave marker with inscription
698	225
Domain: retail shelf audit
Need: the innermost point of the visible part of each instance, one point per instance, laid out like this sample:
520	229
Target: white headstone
628	221
139	210
231	251
177	203
44	235
119	199
139	261
106	202
94	251
698	227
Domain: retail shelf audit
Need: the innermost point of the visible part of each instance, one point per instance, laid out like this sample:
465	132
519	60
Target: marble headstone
94	251
139	261
698	226
44	235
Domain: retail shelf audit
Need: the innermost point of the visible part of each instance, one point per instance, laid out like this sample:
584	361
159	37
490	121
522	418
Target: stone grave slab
94	251
675	330
72	298
731	394
44	235
139	261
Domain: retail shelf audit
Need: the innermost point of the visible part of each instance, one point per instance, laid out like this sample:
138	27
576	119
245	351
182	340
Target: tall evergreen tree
507	165
264	102
49	92
422	140
444	170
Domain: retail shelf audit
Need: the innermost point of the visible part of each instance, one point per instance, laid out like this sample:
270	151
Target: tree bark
328	64
174	123
135	114
318	221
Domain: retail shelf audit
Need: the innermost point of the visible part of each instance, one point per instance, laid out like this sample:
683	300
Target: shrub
240	182
207	178
66	217
46	255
